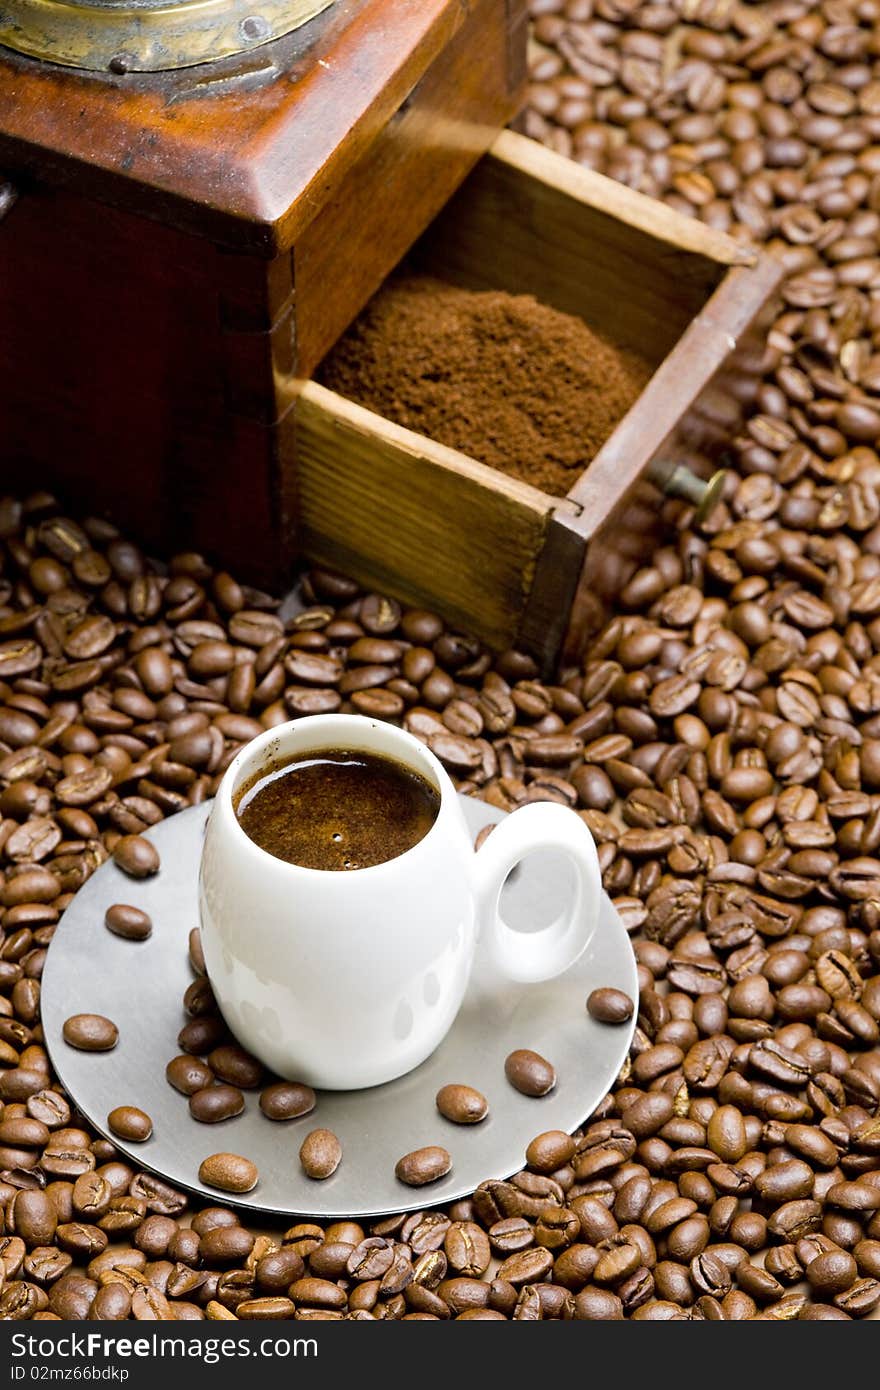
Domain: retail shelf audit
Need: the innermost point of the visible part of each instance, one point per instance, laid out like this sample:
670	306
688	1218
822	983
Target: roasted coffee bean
189	1074
201	1034
320	1154
317	1293
594	1304
230	1172
370	1259
424	1231
510	1234
467	1248
726	1133
550	1151
154	1237
24	1132
213	1104
196	957
225	1245
136	856
231	1063
128	922
556	1227
423	1166
49	1107
526	1267
276	1271
198	998
831	1272
34	1217
265	1309
90	1032
74	1295
648	1114
609	1006
46	1264
462	1104
91	1195
529	1073
286	1100
128	1122
860	1299
124	1214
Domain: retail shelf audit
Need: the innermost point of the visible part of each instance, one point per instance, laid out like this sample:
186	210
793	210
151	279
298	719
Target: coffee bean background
721	739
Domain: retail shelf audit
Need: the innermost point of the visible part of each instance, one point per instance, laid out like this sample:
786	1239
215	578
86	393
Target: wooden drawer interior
532	222
499	557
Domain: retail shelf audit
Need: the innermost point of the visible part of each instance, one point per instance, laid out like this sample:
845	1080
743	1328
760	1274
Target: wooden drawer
502	559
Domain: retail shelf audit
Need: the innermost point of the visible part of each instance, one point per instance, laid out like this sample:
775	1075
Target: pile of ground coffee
515	384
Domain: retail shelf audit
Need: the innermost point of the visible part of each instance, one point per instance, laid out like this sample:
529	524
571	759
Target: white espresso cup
344	979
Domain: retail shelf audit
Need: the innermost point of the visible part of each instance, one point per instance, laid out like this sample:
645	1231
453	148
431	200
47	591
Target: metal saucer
140	986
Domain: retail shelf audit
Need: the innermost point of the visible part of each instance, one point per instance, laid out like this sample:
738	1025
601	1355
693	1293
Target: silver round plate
140	986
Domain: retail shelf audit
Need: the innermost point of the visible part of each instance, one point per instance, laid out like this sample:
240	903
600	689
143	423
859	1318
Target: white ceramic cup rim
332	726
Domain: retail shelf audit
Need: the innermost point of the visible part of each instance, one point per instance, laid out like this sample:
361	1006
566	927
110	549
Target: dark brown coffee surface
515	384
337	809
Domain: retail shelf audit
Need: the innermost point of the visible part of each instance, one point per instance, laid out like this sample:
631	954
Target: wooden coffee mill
200	196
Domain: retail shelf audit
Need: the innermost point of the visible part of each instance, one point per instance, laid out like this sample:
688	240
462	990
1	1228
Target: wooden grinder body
186	246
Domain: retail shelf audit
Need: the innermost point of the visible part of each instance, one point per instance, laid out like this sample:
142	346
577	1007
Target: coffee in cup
337	809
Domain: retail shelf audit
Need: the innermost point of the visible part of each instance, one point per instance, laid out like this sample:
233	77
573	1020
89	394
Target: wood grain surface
246	151
407	515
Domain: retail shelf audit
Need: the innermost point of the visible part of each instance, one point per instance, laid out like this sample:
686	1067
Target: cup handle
528	957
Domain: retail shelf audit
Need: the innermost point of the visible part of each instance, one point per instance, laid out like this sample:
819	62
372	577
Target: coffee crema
337	809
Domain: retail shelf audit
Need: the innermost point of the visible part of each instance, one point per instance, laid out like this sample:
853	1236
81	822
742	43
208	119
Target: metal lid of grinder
146	35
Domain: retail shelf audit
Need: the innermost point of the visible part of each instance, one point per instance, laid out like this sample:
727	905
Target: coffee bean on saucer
609	1006
198	998
202	1034
128	1122
483	835
196	954
529	1072
423	1166
128	922
188	1074
286	1100
136	856
320	1154
90	1032
216	1103
230	1172
231	1063
463	1105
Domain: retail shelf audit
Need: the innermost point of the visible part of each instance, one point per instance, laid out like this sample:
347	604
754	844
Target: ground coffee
515	384
337	809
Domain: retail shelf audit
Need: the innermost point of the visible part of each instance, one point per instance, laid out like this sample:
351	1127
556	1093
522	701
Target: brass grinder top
146	35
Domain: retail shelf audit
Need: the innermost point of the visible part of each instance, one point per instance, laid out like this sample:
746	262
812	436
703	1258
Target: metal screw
682	482
254	28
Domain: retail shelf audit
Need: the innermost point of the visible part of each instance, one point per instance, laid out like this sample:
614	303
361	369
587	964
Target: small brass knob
682	482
